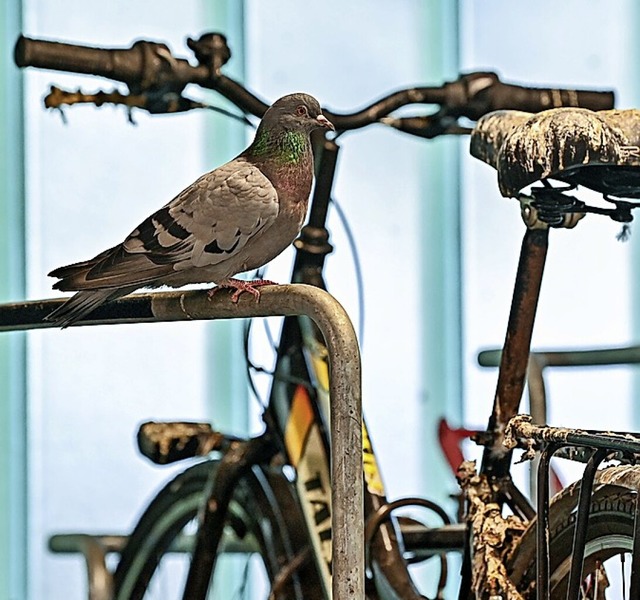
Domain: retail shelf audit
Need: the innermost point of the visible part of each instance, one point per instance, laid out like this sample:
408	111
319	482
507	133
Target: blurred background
438	246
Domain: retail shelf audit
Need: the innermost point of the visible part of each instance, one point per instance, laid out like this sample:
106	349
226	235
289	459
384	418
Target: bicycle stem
313	245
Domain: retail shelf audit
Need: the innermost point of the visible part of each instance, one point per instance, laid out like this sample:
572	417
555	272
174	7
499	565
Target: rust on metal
621	475
164	443
521	431
493	536
515	354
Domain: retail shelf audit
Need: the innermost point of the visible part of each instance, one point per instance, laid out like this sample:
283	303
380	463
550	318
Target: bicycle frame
297	425
306	362
505	428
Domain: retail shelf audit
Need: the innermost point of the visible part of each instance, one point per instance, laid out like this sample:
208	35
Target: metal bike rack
345	386
94	549
540	360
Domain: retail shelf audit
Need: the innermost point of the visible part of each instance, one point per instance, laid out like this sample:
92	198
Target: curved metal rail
345	385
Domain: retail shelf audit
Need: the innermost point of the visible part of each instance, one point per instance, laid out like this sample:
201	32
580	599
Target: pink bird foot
240	286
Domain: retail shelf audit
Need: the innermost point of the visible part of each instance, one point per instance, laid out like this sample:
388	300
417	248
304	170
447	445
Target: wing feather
204	225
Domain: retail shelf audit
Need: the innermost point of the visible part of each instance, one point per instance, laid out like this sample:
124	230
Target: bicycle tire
264	508
610	533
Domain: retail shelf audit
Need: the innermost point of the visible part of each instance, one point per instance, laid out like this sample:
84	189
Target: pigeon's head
296	112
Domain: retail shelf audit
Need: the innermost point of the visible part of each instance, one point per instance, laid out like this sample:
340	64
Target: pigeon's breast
272	241
259	250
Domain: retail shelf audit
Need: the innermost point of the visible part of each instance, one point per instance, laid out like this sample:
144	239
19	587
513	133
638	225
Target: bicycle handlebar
150	68
476	94
144	67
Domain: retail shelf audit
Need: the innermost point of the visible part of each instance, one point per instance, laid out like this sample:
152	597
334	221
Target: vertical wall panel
90	182
440	278
12	346
225	138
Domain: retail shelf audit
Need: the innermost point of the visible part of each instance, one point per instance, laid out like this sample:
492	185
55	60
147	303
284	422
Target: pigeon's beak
324	122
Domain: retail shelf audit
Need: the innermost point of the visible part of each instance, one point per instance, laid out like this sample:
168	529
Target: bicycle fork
240	457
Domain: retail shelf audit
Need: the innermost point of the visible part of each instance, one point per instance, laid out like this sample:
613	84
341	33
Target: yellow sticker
300	420
321	370
370	465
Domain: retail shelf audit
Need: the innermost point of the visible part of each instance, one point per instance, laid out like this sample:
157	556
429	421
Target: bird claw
241	286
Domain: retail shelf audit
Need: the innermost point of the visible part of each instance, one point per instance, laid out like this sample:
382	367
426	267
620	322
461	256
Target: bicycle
250	495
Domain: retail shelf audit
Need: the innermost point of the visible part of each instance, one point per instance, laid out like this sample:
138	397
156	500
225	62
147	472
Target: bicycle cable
251	366
357	265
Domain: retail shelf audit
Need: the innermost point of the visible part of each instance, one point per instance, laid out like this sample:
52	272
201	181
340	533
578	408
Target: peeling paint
163	441
493	536
559	143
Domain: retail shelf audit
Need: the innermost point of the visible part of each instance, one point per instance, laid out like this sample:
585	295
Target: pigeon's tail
74	277
82	303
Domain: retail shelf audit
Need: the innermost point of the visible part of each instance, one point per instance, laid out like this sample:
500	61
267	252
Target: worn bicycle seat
599	150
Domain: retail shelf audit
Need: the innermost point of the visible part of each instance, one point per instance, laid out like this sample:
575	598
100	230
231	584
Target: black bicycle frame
293	372
312	248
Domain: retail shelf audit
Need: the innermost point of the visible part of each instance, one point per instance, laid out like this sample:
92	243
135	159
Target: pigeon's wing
204	225
217	216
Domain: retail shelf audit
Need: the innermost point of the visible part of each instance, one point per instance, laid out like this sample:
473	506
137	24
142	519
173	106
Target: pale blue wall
440	266
89	183
12	347
399	195
226	375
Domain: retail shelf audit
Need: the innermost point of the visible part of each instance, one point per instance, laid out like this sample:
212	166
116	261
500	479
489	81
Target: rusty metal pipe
515	354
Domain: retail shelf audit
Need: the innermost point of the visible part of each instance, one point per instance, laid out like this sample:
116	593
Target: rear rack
594	447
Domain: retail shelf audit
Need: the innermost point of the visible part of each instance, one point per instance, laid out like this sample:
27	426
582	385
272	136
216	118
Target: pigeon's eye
302	111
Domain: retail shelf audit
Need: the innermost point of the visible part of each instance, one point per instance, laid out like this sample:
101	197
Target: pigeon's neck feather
285	158
283	147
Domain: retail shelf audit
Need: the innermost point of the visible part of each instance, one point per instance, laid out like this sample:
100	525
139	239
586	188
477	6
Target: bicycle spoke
244	582
624	587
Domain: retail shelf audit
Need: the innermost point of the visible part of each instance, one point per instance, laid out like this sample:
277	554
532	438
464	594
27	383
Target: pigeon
233	219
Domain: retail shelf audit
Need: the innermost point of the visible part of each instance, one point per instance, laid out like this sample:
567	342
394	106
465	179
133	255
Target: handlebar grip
146	67
74	58
507	96
476	94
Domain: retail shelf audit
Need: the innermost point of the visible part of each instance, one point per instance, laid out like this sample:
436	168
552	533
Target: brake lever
152	102
427	126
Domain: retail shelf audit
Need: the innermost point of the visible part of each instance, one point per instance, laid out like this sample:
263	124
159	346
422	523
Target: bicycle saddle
598	150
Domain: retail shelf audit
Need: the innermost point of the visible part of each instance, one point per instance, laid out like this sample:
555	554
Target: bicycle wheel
607	564
262	535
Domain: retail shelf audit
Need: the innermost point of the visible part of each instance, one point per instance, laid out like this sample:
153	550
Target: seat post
515	354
